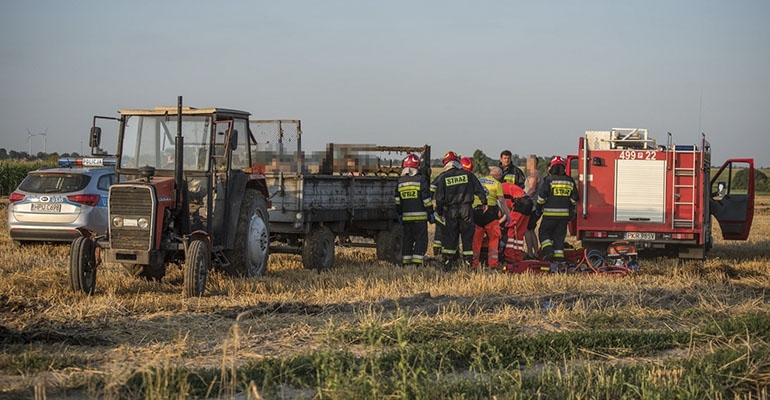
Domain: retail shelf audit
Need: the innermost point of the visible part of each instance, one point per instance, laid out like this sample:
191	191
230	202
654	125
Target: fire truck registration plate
639	236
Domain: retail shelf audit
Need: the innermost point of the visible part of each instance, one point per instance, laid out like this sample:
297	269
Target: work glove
431	218
538	212
440	219
400	220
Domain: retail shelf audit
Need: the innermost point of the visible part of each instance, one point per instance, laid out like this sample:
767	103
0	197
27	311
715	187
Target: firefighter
556	202
455	190
487	219
511	173
415	209
440	225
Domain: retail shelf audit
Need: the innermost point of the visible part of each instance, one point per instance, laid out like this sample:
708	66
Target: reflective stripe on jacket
413	198
558	196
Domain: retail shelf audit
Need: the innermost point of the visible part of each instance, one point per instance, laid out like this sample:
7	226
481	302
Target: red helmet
450	156
557	160
467	164
411	161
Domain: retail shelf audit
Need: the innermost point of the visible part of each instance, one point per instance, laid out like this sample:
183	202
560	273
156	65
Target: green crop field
370	330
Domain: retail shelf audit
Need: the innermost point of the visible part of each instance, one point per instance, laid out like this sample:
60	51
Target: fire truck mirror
721	189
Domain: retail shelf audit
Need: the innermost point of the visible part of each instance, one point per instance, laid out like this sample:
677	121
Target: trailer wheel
196	267
83	265
147	272
318	249
389	244
251	250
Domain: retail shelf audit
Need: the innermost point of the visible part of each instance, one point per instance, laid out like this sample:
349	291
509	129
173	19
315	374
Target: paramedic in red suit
488	222
556	202
516	226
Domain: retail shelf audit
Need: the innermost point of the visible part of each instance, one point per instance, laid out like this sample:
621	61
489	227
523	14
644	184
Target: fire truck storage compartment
640	189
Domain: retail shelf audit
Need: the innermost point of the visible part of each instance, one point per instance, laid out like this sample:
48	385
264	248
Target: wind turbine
45	140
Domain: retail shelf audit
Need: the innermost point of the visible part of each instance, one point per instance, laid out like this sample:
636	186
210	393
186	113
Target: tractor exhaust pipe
179	153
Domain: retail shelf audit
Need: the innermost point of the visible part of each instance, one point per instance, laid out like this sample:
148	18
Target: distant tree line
40	156
761	181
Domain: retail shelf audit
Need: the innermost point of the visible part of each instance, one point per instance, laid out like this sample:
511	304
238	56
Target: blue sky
459	75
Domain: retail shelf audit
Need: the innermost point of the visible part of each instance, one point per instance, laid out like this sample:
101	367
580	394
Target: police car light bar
87	162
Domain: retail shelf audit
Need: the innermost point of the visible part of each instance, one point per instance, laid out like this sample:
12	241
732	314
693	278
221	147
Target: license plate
639	236
46	207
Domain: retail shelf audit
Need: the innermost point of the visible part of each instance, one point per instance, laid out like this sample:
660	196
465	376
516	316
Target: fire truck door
732	198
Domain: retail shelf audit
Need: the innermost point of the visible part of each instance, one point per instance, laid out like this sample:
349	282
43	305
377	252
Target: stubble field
367	329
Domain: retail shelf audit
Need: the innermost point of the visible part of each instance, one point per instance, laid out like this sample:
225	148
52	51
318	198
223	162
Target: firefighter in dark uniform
511	173
440	225
556	202
415	208
455	190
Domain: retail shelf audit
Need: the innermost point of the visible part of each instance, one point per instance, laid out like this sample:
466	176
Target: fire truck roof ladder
630	138
684	183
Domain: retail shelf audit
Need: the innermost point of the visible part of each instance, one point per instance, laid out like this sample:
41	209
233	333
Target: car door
732	198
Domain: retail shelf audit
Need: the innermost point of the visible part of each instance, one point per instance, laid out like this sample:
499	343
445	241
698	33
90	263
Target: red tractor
186	194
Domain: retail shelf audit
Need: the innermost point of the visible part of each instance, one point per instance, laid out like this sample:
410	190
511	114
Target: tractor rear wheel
196	267
251	249
83	265
318	249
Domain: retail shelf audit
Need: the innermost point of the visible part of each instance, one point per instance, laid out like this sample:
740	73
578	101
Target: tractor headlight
143	223
117	222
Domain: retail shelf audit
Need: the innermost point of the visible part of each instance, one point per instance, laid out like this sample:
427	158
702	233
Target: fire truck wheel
318	249
83	265
251	250
147	272
196	267
389	244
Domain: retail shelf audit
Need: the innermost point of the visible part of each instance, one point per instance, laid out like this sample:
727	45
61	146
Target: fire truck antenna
700	110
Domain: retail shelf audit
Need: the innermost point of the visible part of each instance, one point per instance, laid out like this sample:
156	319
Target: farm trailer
343	195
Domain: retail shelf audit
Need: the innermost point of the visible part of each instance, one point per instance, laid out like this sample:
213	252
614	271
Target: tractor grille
131	203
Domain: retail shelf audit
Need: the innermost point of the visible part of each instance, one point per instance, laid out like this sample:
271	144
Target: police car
50	203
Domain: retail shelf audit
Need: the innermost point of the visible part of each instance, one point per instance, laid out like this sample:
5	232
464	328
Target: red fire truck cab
657	196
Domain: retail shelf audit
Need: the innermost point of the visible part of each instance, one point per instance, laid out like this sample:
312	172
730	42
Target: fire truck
657	196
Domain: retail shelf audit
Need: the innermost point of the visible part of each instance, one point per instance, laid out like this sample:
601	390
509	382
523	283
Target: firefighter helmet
557	160
467	164
450	156
411	161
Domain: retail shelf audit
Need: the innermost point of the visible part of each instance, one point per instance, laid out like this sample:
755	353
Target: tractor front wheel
196	267
83	265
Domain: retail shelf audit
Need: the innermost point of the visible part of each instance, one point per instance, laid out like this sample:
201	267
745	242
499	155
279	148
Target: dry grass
131	325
